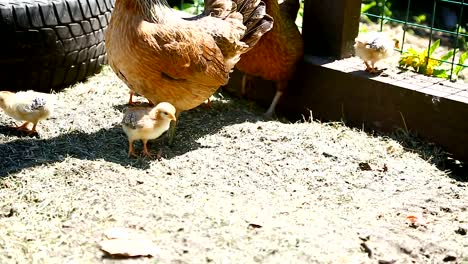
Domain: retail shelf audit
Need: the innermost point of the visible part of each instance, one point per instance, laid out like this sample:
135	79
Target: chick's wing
132	120
31	105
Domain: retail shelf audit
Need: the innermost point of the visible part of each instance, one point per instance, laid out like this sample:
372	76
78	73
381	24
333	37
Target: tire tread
48	45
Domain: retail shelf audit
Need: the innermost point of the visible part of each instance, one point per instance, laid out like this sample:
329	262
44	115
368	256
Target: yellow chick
372	47
147	123
28	106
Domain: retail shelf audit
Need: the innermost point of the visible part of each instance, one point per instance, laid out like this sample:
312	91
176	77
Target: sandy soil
233	189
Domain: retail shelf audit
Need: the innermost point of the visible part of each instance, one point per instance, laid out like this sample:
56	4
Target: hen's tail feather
246	7
290	8
217	8
262	27
255	18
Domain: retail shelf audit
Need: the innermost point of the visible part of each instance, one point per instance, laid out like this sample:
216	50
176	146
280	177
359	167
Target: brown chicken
146	123
183	61
276	54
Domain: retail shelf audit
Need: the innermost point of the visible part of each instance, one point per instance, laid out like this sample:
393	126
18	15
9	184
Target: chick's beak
172	117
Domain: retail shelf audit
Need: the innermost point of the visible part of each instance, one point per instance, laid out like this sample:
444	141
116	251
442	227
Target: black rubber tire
48	45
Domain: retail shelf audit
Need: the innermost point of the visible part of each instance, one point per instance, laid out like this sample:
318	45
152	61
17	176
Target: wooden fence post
330	27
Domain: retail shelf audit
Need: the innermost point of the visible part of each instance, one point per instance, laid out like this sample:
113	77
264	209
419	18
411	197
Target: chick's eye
164	113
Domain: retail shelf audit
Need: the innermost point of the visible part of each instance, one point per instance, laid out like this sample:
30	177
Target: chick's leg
374	69
280	86
33	129
145	149
23	127
131	150
172	129
368	67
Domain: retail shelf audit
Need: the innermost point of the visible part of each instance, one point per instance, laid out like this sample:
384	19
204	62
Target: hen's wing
190	53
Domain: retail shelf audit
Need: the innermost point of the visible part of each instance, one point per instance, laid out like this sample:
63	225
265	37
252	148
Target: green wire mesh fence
196	6
448	20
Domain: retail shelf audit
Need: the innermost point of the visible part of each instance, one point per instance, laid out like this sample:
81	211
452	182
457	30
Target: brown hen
276	54
166	57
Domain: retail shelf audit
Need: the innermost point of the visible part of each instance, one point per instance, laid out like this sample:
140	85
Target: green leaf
463	57
420	19
366	7
433	47
412	51
461	61
441	73
448	55
186	6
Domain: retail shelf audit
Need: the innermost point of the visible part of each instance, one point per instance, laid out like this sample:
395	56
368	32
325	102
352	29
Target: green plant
423	62
366	7
300	15
376	6
463	39
420	19
194	8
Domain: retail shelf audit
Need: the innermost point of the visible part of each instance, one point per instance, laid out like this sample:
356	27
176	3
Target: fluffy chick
373	47
28	106
147	123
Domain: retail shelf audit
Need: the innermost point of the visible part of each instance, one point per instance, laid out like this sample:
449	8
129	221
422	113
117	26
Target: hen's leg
246	83
131	102
130	99
131	150
208	104
280	86
172	129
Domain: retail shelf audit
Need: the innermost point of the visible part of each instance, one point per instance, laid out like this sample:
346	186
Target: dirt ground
234	188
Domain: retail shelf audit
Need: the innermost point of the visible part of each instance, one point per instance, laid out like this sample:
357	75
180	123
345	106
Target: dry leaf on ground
127	243
416	220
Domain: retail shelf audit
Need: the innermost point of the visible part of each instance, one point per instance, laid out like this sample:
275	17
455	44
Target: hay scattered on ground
234	188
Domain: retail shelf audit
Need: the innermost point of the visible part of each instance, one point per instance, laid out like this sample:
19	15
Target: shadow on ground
110	144
432	153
